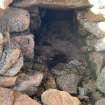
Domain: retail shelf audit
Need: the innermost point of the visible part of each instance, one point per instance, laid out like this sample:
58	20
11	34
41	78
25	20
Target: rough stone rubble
20	80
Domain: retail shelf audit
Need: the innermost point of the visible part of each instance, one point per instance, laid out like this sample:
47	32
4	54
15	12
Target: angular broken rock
17	20
28	83
5	3
11	60
56	97
26	43
53	3
6	96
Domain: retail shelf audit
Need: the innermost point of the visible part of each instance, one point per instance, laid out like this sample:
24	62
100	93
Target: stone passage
52	52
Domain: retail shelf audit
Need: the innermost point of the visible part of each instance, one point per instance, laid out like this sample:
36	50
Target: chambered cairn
52	52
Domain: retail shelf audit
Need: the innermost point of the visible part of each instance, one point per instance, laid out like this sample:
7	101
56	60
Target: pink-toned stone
1	12
26	42
6	96
56	97
9	97
28	83
7	81
5	3
22	99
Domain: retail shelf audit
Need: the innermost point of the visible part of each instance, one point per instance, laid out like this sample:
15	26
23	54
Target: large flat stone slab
64	4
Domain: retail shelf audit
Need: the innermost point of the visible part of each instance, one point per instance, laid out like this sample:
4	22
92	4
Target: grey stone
15	19
101	81
68	82
53	3
35	18
91	27
100	44
11	60
97	95
96	60
100	102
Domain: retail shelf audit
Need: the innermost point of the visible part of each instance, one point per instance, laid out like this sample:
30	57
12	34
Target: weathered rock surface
5	3
1	44
2	12
6	96
22	99
50	83
28	83
93	20
98	7
68	82
99	46
56	97
92	27
59	69
90	16
11	58
90	86
53	4
26	43
11	62
17	20
97	95
101	81
7	81
96	44
100	102
35	18
96	60
9	97
72	67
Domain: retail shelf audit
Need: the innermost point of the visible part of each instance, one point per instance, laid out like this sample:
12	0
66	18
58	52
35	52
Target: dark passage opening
55	15
56	37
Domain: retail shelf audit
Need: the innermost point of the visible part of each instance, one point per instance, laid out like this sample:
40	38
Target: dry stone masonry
52	52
